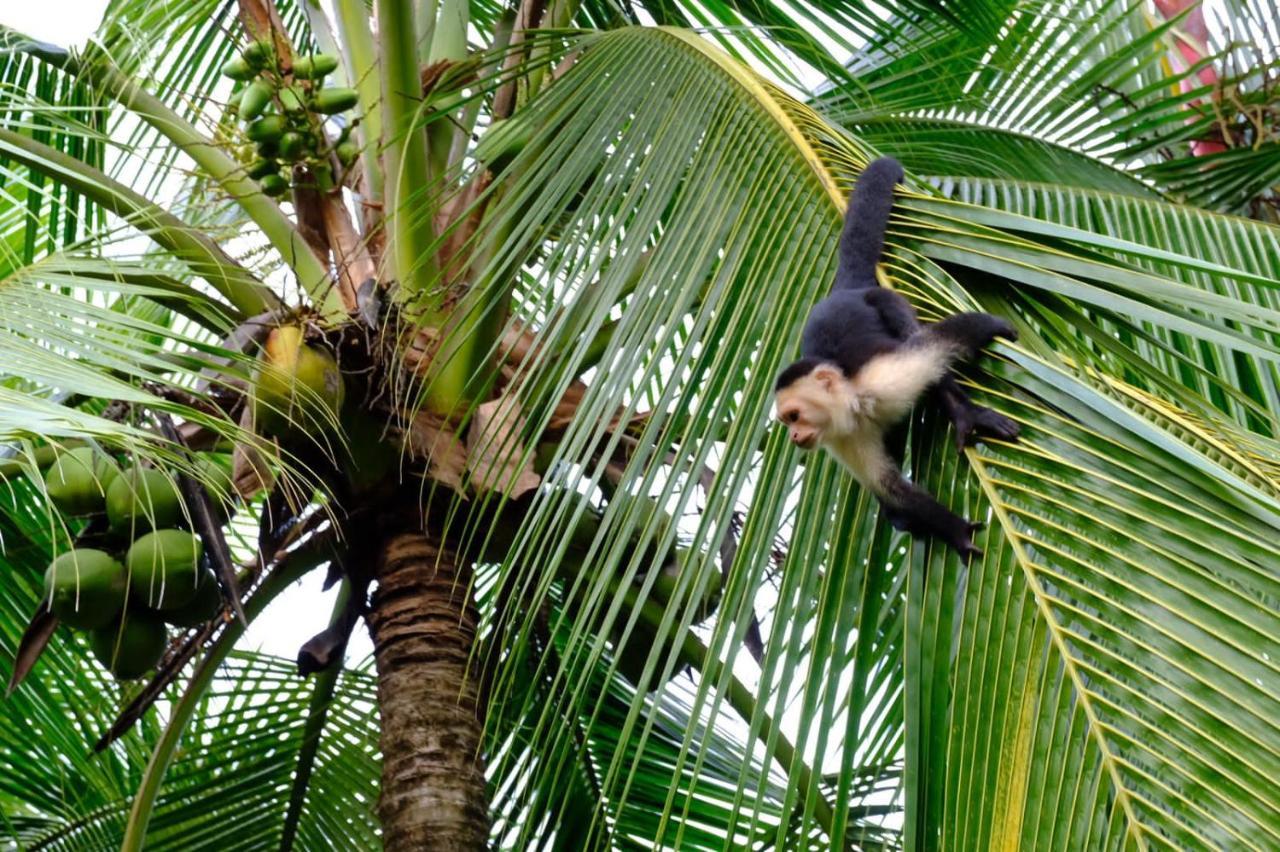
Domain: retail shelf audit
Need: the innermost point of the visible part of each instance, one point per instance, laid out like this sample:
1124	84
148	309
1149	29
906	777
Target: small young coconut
255	99
274	185
238	69
292	146
259	54
143	499
262	167
347	153
315	67
78	480
269	128
291	99
330	101
206	604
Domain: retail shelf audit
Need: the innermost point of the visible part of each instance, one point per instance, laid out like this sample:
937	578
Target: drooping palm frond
1108	669
1234	258
1084	86
228	784
714	303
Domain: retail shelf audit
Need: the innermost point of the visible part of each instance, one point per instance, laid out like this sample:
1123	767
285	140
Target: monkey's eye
791	416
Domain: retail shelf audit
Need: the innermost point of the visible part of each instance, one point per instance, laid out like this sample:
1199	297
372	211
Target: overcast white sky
63	22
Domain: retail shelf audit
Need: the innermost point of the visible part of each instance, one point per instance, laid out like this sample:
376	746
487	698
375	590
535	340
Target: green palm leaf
1101	646
1111	284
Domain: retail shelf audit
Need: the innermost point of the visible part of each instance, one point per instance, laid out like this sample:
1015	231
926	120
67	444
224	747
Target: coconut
314	67
255	100
294	385
274	185
162	569
206	604
85	588
130	650
143	499
331	101
78	480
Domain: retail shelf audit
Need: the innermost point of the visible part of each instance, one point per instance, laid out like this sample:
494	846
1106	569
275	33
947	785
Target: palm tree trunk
424	626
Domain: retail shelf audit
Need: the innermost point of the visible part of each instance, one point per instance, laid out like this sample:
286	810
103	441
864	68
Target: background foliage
1105	677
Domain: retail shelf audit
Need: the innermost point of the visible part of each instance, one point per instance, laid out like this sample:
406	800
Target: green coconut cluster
283	111
148	572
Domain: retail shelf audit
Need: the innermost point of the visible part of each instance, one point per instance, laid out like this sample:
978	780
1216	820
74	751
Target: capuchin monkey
865	361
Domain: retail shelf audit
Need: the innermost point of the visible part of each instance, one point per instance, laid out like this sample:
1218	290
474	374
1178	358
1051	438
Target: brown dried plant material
420	345
250	472
490	459
355	264
519	350
262	21
429	439
458	219
497	459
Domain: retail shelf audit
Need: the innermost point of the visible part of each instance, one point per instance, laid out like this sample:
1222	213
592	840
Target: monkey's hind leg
914	510
972	422
969	333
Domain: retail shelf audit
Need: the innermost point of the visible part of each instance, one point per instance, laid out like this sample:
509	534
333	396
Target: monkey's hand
954	531
975	422
963	544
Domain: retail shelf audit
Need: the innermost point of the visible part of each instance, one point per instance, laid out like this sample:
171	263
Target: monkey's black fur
860	320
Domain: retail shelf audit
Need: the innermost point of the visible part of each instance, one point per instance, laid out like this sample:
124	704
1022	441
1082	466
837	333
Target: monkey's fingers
992	424
978	423
964	545
1006	330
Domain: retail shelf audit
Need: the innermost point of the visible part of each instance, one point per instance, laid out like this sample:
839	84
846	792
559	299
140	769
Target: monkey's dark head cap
796	371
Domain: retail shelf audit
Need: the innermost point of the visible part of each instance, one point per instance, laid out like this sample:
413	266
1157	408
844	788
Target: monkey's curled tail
864	223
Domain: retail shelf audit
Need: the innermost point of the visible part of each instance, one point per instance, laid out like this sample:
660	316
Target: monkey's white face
813	407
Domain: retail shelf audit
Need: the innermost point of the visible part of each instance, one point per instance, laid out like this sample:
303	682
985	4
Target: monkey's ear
827	377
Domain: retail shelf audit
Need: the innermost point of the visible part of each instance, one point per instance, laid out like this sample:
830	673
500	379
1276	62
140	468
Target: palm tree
610	607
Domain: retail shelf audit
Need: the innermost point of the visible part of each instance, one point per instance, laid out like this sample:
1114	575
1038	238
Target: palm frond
1230	257
1078	638
708	276
1091	79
